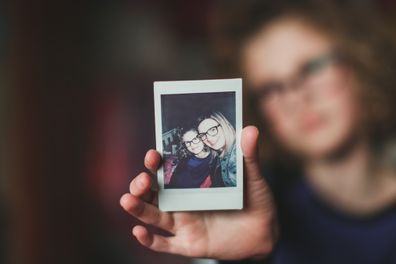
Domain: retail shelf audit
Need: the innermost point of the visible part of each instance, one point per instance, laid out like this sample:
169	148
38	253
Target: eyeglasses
308	75
195	140
211	132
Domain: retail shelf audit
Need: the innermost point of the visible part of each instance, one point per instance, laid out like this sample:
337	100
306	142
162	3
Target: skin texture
216	142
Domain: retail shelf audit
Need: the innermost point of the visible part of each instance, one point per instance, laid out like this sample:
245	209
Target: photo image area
198	140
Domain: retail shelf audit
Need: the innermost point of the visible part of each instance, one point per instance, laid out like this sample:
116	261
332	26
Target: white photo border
219	198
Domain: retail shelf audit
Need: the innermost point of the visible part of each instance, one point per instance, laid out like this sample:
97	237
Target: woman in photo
193	169
218	134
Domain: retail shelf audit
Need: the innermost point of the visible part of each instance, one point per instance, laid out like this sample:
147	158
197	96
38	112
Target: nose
213	142
208	141
295	98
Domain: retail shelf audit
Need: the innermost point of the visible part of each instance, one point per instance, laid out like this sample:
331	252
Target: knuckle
139	209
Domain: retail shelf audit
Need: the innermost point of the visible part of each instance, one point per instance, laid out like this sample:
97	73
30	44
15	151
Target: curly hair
182	151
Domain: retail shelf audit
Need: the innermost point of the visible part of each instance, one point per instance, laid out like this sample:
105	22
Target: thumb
249	145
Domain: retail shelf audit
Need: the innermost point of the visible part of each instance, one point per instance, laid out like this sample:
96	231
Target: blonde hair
228	129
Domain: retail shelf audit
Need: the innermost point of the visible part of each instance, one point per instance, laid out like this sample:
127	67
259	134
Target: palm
208	233
215	234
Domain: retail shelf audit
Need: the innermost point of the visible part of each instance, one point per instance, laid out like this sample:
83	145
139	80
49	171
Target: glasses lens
212	131
195	140
187	143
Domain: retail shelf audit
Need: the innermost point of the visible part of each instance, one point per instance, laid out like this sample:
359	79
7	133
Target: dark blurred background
76	111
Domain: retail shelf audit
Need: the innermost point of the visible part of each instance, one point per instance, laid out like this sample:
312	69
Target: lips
312	123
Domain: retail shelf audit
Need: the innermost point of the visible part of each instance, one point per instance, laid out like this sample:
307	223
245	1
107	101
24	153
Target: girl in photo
193	169
218	134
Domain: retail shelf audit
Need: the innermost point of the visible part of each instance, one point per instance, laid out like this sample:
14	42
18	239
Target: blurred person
323	93
218	134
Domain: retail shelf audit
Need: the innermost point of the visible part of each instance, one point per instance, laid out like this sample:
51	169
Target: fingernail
123	199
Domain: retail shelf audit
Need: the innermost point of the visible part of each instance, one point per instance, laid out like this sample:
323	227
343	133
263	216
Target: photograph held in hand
197	128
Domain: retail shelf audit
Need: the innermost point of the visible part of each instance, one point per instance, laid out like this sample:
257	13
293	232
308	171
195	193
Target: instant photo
198	126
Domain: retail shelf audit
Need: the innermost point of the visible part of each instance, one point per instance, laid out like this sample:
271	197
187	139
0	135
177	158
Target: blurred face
303	89
212	134
192	142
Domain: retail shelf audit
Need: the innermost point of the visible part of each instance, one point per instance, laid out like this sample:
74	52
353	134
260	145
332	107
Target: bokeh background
76	114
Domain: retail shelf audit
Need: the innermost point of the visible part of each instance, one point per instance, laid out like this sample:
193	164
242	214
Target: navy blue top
191	173
313	232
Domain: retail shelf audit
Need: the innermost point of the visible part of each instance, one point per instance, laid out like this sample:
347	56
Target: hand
211	234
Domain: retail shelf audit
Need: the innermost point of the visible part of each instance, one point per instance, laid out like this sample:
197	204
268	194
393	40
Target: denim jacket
228	167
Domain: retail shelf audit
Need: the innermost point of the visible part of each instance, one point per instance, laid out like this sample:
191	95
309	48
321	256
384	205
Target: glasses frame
188	143
307	69
204	135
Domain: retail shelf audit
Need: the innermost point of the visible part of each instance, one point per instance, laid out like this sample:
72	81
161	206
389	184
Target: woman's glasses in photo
211	132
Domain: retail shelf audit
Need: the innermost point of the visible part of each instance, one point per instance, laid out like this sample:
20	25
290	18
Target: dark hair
182	151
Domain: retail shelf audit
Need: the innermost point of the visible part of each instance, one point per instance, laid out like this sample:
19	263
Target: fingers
140	184
152	241
152	160
146	212
258	193
140	187
249	145
159	243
